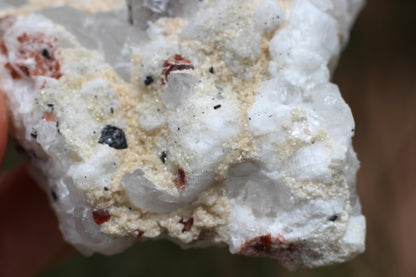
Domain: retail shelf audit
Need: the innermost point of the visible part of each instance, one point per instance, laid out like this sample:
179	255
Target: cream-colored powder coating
141	152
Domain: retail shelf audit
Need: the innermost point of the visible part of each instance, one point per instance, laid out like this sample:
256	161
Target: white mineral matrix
202	122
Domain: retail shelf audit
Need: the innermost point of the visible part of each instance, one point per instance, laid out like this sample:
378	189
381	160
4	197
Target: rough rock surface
203	122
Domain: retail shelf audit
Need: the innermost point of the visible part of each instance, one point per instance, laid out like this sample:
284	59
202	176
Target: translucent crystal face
156	6
206	122
108	32
11	3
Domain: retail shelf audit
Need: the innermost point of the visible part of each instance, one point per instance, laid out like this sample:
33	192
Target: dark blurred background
377	77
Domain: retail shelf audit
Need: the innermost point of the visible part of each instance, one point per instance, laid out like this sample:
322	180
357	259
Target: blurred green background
377	77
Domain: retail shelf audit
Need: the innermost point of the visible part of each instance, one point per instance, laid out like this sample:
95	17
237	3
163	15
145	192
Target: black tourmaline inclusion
113	137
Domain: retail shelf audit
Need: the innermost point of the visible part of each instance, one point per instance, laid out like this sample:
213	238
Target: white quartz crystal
203	122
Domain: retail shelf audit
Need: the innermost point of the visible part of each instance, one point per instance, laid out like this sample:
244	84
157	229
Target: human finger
30	240
3	128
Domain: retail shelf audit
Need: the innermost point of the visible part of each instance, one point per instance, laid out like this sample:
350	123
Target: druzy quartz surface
203	122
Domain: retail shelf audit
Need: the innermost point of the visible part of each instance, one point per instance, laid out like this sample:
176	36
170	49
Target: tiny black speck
105	188
111	110
21	150
333	218
46	54
217	107
49	105
211	70
34	134
113	137
54	196
163	157
149	80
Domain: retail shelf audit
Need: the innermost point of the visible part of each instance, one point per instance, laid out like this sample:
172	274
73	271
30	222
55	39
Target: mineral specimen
203	122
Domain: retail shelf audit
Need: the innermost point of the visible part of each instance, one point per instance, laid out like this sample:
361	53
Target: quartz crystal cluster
202	122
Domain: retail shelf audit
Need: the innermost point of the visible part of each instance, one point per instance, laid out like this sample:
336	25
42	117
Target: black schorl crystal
148	81
113	137
46	54
163	157
333	218
54	195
